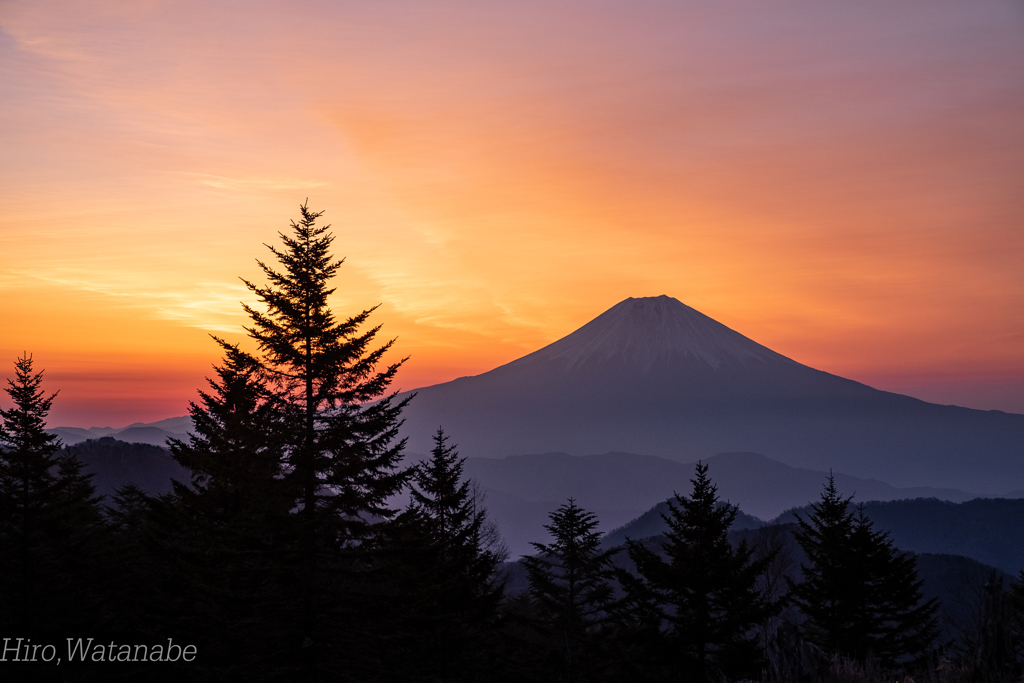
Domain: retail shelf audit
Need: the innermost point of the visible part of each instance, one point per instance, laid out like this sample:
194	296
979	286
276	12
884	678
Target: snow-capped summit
651	331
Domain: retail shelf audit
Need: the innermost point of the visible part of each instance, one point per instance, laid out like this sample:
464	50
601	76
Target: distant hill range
153	433
627	491
655	376
522	490
987	530
651	524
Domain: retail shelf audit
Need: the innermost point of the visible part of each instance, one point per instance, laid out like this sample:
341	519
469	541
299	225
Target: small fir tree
822	595
696	602
570	583
448	595
146	597
441	495
862	597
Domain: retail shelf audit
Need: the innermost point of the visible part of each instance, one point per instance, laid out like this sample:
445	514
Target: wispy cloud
211	306
258	184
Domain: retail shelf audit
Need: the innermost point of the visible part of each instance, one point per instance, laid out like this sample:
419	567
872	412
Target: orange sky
841	182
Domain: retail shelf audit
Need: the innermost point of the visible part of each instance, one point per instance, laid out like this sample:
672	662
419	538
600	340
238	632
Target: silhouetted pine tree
862	597
698	605
341	456
989	646
894	623
570	582
1015	599
229	529
127	516
81	545
823	593
1013	606
50	522
134	567
447	591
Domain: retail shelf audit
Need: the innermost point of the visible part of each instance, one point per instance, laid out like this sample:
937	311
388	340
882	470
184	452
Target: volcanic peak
649	331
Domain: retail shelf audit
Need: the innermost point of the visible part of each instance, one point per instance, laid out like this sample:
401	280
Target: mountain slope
654	376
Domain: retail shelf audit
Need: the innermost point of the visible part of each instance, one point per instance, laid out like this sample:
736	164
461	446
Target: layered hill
654	376
153	433
522	490
988	530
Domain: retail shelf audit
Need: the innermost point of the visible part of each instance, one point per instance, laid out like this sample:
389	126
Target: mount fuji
654	376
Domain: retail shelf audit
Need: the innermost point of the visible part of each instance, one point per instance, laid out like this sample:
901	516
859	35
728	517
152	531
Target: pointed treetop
23	425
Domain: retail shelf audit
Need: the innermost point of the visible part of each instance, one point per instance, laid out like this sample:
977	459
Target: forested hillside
115	463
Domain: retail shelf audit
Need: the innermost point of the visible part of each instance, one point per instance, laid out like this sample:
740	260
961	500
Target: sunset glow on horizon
841	182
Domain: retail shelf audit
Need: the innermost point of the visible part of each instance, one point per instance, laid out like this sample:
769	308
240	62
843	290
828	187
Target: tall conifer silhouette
862	597
49	519
341	453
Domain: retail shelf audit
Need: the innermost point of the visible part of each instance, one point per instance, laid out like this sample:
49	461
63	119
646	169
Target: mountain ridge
152	433
654	376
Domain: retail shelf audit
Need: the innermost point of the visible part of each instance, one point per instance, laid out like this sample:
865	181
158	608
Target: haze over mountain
630	482
654	376
522	490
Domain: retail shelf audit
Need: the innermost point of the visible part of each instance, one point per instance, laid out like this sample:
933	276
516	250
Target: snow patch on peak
649	331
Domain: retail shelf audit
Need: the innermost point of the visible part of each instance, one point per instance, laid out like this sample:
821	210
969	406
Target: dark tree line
284	556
